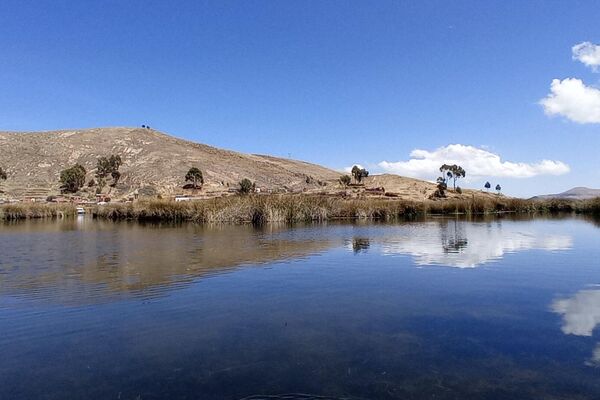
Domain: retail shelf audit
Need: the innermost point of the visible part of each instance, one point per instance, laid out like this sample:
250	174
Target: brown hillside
416	189
152	162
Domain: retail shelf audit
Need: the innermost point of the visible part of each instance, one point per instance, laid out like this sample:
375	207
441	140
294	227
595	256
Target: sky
507	89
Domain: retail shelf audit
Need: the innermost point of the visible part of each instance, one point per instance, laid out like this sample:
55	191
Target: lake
433	309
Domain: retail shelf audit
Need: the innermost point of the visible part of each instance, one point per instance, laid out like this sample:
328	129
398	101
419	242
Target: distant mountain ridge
577	193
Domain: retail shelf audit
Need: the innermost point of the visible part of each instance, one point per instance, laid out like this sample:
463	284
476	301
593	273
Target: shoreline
299	208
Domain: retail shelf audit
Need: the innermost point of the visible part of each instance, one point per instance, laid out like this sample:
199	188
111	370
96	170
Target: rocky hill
153	163
578	193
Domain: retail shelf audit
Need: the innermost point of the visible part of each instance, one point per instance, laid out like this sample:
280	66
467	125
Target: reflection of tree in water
454	236
594	219
360	245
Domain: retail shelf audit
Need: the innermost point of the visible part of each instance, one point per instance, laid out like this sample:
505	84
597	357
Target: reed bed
259	209
305	208
33	210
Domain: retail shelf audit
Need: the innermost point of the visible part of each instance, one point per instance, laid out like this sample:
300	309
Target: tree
101	184
72	179
453	172
441	187
498	188
359	173
487	186
194	175
3	175
363	173
108	166
247	186
345	180
116	175
355	171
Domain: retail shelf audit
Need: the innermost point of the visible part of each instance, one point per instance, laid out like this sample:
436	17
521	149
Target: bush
247	186
345	180
458	190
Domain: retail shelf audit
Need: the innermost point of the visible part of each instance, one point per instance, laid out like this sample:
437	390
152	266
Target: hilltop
577	193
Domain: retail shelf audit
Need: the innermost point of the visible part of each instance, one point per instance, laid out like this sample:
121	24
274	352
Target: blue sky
331	82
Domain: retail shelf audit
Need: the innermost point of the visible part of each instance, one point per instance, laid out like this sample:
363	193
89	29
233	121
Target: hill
153	162
417	190
156	163
577	193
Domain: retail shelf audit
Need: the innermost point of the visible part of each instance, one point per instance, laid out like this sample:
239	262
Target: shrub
345	180
247	186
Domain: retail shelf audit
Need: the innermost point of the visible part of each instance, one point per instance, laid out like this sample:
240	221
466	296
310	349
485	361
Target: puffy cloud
581	313
477	162
587	53
572	99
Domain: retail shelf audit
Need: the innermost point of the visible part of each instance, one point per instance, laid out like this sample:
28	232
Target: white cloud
587	53
581	313
572	99
476	161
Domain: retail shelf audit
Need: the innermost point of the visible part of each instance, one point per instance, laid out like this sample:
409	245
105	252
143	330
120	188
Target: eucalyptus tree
453	172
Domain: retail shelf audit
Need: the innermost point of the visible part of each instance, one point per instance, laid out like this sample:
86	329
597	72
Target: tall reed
297	208
36	210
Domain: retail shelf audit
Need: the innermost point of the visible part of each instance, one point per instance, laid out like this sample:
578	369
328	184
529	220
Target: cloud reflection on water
581	315
468	245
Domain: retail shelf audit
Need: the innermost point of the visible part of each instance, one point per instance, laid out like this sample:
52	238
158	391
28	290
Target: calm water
437	309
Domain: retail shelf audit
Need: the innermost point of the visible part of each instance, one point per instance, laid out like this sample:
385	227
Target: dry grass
258	209
299	208
33	210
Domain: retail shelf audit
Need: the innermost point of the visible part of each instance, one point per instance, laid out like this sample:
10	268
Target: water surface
441	308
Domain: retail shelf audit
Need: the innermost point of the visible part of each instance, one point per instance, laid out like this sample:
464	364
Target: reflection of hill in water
86	260
467	244
92	259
